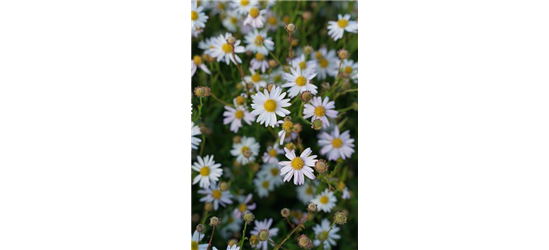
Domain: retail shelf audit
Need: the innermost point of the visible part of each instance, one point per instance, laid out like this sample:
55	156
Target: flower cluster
274	123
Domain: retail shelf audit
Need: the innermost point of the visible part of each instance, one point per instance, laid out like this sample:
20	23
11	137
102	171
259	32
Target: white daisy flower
336	29
277	75
208	170
221	50
243	205
336	145
195	238
256	79
244	6
259	61
323	230
198	18
351	68
231	21
346	195
306	193
272	22
218	7
255	18
258	42
263	185
286	131
267	105
298	166
319	109
245	144
327	63
235	116
303	64
325	201
206	44
272	152
272	170
299	81
197	62
216	196
195	131
264	225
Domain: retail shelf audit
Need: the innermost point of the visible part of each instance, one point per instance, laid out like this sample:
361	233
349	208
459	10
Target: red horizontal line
453	171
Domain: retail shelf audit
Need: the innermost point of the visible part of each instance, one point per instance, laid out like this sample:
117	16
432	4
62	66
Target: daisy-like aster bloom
256	79
336	145
319	109
246	143
195	141
255	18
265	224
221	50
303	64
350	68
235	116
195	238
272	152
325	201
197	62
287	127
272	170
299	81
267	105
327	63
298	166
198	18
263	185
330	236
259	61
336	29
206	44
243	6
216	196
305	193
272	21
208	170
231	21
276	75
243	205
258	42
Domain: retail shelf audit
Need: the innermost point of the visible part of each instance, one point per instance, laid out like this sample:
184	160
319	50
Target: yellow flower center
197	60
322	235
259	40
217	194
270	105
254	12
287	125
259	56
309	190
337	143
342	23
301	81
256	77
320	111
297	163
265	184
303	65
273	152
234	20
220	6
227	48
277	78
194	245
323	63
244	149
242	207
274	171
272	20
194	15
205	171
244	2
239	114
324	199
348	70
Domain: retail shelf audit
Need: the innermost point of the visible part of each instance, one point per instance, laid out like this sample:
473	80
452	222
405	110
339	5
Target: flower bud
195	218
199	91
208	206
304	242
317	124
270	86
298	127
340	218
200	228
237	139
239	87
231	40
321	166
285	212
295	42
325	85
307	50
223	186
240	100
214	221
311	207
248	216
264	234
207	91
307	15
290	146
232	242
254	240
343	54
272	63
346	84
306	96
290	28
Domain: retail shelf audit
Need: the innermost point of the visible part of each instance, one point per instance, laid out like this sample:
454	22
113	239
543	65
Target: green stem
243	235
288	236
345	109
211	238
